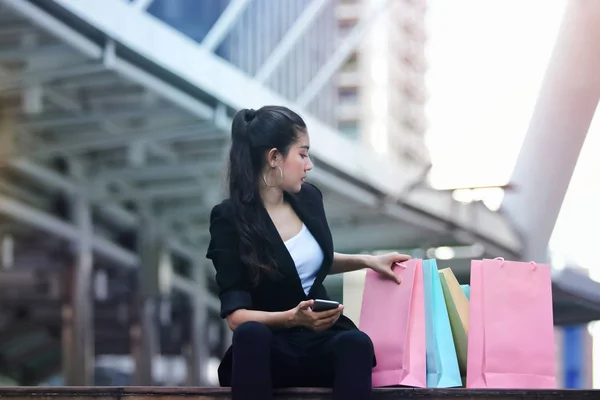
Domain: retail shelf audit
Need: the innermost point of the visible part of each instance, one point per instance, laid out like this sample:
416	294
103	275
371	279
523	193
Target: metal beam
169	191
20	80
21	53
109	57
47	177
562	116
15	29
189	287
51	224
159	171
224	24
69	104
109	126
48	223
141	5
93	117
94	51
341	54
116	213
90	48
470	223
22	194
456	218
185	212
54	180
184	100
383	234
290	39
367	198
94	142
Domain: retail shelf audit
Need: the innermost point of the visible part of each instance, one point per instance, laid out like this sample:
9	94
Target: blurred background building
382	93
427	138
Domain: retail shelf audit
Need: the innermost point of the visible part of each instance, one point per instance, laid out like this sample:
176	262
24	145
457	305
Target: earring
280	176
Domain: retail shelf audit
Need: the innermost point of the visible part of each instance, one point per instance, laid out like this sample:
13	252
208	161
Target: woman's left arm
381	263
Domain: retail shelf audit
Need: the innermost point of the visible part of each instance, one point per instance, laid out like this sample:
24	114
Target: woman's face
294	166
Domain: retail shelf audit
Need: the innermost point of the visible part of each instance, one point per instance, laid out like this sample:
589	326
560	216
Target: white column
557	130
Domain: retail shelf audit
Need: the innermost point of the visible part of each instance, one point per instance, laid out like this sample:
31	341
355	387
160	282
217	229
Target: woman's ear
273	157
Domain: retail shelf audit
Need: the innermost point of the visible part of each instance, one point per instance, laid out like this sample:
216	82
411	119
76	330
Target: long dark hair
254	133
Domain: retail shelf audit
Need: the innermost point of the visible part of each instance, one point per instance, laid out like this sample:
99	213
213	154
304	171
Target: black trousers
263	359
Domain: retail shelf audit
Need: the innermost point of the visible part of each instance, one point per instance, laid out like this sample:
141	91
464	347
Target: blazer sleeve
232	280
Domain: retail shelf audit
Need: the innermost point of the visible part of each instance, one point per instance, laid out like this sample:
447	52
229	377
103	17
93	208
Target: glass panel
260	28
191	17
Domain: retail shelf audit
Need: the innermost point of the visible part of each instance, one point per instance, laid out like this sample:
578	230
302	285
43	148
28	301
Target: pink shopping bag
511	330
394	318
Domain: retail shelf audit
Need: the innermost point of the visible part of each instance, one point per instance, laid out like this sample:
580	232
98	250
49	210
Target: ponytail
241	166
255	247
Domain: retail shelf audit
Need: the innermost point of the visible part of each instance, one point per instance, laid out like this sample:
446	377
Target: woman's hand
384	264
302	315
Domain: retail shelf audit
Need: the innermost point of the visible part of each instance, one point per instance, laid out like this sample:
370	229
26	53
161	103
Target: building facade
381	87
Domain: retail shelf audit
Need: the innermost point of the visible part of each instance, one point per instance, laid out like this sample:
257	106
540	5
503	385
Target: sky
486	62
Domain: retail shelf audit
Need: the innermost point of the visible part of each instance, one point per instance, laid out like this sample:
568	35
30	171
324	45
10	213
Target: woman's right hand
302	315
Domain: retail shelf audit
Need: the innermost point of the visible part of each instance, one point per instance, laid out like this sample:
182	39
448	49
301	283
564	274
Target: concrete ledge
163	393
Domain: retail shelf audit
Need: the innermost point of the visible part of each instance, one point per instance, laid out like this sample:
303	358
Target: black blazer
272	293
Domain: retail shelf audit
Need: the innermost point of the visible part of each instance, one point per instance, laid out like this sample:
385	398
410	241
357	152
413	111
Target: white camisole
307	256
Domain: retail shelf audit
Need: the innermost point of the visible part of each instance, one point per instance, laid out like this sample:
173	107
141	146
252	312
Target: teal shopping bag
466	290
442	361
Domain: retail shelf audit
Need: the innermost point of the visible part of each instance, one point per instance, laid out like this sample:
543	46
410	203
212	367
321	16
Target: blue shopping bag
466	290
442	361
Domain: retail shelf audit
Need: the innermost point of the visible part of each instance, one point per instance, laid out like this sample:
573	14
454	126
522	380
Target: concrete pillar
7	148
558	127
145	343
83	299
67	346
145	334
78	310
199	353
8	136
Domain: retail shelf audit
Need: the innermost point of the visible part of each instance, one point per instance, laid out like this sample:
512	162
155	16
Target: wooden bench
179	393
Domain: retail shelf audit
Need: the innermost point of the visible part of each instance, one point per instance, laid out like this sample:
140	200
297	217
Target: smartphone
324	305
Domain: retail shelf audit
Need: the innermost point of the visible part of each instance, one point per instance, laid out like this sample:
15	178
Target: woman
271	247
